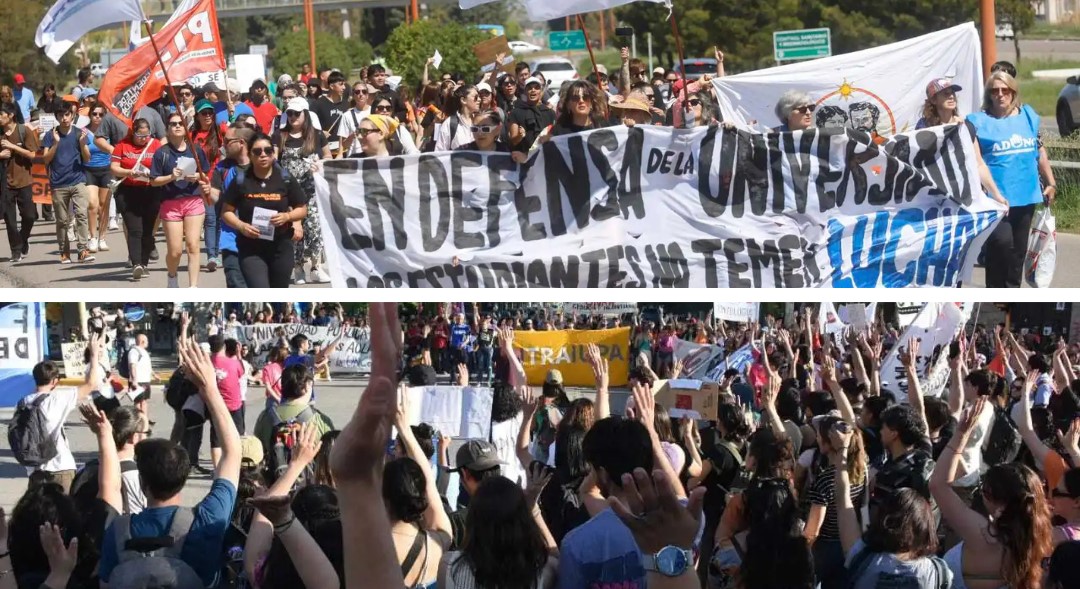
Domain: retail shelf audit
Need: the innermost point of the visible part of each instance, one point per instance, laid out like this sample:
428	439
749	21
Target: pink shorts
178	209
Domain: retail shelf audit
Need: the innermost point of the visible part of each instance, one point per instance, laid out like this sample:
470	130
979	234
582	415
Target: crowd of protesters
260	147
815	460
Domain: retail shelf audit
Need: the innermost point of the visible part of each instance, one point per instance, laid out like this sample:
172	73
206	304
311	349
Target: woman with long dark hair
1006	549
417	517
208	137
582	107
504	545
266	250
454	132
299	147
49	102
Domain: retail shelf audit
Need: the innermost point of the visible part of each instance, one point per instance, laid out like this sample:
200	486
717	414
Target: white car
97	69
1004	31
519	47
1068	107
556	70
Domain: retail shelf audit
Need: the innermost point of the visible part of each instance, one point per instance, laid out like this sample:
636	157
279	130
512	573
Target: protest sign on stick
689	398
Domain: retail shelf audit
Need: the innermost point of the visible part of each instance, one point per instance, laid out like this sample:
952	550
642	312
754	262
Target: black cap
210	87
477	456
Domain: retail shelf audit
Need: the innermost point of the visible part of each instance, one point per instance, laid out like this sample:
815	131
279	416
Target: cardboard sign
487	51
684	399
39	176
74	359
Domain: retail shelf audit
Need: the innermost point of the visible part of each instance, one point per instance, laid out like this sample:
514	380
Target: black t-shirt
486	337
329	114
560	129
274	193
500	147
724	470
533	119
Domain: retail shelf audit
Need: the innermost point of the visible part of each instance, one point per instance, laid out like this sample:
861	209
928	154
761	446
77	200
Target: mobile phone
954	350
624	31
842	427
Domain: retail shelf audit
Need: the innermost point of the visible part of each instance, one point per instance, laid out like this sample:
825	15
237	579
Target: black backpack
28	434
285	437
178	389
1005	440
911	471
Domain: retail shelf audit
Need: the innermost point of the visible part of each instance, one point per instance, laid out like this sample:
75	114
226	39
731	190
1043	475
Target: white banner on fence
862	90
460	412
21	335
742	312
353	352
659	207
698	359
935	326
605	309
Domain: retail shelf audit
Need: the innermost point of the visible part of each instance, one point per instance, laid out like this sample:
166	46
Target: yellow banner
565	350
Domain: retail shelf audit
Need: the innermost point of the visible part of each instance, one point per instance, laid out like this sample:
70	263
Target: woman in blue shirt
1008	137
98	178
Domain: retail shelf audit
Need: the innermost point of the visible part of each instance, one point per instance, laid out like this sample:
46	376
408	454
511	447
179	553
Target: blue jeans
210	227
234	277
483	361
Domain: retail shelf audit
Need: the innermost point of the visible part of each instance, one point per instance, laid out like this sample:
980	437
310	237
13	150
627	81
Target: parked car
98	69
1004	30
1068	107
519	47
556	70
696	67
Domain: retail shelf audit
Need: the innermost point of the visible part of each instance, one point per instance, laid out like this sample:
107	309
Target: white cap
601	69
297	104
233	86
533	80
658	70
483	86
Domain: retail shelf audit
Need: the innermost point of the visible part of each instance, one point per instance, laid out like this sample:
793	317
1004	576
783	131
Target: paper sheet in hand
436	60
260	219
186	165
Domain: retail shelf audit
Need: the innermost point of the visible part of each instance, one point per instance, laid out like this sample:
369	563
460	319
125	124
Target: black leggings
20	201
266	264
138	206
1007	247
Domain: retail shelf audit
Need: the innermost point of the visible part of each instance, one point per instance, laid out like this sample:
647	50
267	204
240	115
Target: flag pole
172	91
596	70
682	60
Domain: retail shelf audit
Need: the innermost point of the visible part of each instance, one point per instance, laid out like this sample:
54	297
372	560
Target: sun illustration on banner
856	108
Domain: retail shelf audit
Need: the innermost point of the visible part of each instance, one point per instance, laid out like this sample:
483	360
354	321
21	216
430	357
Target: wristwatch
670	561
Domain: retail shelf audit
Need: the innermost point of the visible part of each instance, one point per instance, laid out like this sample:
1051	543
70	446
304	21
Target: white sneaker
320	276
138	272
102	246
298	276
92	245
113	225
174	282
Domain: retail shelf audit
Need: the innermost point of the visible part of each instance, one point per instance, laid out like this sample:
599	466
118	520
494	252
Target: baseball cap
601	68
251	449
257	84
483	87
940	84
296	104
70	98
210	87
477	456
233	85
659	71
203	104
20	79
157	573
554	376
533	80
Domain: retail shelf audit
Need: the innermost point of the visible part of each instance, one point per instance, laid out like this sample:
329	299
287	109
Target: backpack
123	360
178	389
861	562
912	471
284	437
545	430
1005	440
141	559
84	487
28	434
237	174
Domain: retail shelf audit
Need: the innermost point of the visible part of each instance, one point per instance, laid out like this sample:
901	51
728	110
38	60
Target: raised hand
62	558
198	367
644	407
277	509
653	512
309	444
96	420
537	477
462	375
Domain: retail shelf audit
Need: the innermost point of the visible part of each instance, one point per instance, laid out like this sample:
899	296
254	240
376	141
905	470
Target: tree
1018	13
291	52
22	55
409	47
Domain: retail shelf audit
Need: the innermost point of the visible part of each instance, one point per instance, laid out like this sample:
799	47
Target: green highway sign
566	40
804	44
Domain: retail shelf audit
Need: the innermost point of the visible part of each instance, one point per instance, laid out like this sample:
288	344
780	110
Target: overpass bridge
161	10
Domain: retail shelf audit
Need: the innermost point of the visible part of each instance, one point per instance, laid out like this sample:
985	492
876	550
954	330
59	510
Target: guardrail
1065	165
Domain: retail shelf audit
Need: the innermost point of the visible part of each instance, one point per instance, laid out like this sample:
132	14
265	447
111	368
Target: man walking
18	146
329	107
24	97
66	150
259	102
140	373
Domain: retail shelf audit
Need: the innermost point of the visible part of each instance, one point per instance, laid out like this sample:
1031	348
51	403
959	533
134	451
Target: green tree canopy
409	47
21	55
291	52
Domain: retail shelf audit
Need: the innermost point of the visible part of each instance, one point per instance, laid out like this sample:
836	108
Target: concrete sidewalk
1068	248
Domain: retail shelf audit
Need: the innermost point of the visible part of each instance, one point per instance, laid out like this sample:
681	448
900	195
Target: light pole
989	35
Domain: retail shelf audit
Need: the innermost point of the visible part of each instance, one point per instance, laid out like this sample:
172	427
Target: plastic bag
1041	255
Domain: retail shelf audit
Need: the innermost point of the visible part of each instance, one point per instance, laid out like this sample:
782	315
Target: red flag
189	45
997	365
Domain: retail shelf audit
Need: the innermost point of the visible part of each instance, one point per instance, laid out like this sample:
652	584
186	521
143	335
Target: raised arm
312	565
532	404
506	344
200	370
1031	439
846	518
967	522
644	406
843	404
356	462
603	378
768	401
109	487
90	382
435	517
956	385
909	357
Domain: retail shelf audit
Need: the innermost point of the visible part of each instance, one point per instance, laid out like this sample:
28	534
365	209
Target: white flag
541	10
880	89
68	20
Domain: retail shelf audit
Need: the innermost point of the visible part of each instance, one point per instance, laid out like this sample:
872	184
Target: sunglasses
185	94
483	128
206	112
360	91
693	102
176	123
142	135
806	108
579	98
1000	91
292	113
261	151
382	108
98	114
365	132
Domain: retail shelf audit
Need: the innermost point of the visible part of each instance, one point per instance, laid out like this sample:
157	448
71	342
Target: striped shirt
822	492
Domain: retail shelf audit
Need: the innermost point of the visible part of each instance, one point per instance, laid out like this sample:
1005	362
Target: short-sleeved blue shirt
164	163
203	545
66	168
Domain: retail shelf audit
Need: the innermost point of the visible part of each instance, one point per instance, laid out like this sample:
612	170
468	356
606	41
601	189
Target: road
1068	248
42	268
336	399
1042	49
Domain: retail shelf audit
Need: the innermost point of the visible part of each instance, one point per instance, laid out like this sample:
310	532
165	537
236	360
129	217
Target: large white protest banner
352	354
934	326
459	412
742	312
605	309
879	90
740	360
22	335
698	359
658	207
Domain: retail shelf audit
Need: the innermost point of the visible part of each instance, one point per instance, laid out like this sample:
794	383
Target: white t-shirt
462	136
131	488
143	370
971	460
504	436
57	405
103	387
350	121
